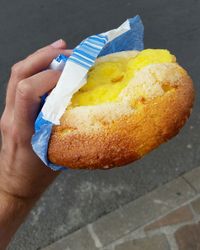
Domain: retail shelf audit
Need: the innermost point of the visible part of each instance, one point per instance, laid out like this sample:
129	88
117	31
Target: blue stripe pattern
61	58
87	51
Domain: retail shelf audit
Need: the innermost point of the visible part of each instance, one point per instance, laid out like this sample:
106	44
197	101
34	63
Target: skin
23	176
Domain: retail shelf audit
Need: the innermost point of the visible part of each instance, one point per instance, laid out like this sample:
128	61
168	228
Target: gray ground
80	197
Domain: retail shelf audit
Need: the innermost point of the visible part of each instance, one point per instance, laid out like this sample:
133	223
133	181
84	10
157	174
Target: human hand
23	176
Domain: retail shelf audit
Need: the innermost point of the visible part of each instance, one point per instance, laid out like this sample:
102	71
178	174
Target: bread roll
132	102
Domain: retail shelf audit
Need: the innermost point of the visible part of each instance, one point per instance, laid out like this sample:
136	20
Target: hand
23	176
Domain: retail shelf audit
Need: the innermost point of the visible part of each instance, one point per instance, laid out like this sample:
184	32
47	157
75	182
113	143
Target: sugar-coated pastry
132	102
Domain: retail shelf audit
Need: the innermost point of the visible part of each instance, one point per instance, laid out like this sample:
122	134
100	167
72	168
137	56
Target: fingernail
57	44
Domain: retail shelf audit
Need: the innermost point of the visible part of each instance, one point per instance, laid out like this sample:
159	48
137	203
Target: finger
31	65
36	62
40	59
59	44
28	98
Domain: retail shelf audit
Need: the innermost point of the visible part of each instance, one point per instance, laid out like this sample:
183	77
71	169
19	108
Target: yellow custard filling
106	80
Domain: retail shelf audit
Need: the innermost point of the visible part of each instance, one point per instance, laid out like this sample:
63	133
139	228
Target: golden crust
128	137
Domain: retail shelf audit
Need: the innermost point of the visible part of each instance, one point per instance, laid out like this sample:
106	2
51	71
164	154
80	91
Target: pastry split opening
106	80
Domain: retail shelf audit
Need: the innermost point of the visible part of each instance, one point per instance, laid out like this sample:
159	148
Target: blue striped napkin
128	36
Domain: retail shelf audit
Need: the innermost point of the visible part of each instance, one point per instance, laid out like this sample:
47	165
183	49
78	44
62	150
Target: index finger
33	64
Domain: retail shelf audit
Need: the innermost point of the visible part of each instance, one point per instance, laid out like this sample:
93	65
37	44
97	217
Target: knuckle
4	125
18	69
13	132
24	89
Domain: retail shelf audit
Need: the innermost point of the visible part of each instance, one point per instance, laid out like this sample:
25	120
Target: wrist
13	207
23	175
13	211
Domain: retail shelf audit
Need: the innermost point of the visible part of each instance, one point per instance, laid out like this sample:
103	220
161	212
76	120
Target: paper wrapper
128	36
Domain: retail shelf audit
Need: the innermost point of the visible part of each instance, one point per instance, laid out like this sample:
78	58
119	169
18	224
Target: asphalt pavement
80	197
